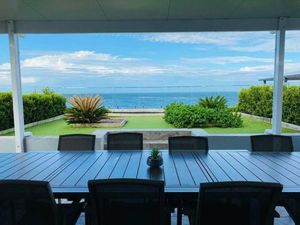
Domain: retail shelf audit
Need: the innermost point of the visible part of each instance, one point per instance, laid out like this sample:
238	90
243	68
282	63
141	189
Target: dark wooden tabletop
182	171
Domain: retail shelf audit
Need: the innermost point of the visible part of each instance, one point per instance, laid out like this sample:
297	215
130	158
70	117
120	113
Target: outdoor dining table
182	171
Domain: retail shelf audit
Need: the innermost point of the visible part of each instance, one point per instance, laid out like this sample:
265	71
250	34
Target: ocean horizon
156	100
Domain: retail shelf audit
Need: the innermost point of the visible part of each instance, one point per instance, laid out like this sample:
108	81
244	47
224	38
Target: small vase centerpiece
155	160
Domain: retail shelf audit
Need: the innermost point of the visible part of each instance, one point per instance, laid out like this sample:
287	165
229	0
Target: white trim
155	25
16	87
278	77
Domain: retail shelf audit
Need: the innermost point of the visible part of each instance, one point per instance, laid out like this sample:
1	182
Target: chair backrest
76	142
271	143
127	201
236	203
125	141
188	143
27	203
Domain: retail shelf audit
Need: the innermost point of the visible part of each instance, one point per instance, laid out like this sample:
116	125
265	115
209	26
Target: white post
278	77
16	86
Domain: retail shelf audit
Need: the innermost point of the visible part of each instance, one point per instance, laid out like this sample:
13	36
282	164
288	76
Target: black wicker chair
76	142
188	143
127	201
125	141
271	143
236	203
32	203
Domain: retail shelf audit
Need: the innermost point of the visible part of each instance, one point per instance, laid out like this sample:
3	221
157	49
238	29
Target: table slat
182	171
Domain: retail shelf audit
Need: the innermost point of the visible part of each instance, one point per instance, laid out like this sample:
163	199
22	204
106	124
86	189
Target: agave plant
211	102
87	109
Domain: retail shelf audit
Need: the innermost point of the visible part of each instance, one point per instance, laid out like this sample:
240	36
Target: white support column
16	86
278	77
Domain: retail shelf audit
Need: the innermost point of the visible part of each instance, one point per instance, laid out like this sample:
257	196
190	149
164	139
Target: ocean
157	99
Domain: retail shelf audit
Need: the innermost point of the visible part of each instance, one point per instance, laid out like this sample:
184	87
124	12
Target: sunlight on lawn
146	122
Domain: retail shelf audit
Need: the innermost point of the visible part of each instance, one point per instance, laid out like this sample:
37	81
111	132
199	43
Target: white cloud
290	68
227	60
5	74
87	62
234	41
79	64
225	39
6	80
257	69
29	80
87	66
265	46
221	39
5	67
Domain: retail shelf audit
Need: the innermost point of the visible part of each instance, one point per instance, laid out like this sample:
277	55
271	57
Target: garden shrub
6	111
218	102
257	100
226	118
192	116
88	109
37	106
291	105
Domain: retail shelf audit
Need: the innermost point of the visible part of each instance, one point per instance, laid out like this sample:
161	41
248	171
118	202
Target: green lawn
139	122
59	127
250	126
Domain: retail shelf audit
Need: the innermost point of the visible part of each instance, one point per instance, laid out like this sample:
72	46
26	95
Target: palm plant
87	109
211	102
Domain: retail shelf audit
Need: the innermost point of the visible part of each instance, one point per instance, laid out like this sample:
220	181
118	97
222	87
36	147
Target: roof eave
176	25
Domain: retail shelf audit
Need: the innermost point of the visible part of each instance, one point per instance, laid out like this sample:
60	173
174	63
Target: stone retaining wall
153	138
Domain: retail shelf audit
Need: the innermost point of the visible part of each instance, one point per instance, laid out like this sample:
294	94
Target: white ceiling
42	16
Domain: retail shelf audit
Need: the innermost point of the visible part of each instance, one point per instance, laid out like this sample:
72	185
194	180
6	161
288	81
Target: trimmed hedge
257	100
6	111
193	116
36	107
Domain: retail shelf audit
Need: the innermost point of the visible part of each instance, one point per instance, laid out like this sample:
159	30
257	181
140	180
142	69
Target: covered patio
69	172
145	16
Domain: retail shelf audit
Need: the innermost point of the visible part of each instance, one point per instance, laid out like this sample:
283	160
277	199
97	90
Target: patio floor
283	220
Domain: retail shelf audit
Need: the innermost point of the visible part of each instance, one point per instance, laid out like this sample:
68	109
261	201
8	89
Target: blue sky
90	62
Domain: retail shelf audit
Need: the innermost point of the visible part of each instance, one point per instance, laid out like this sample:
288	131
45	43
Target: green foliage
257	100
291	104
85	110
154	153
226	118
193	116
212	102
47	91
36	107
6	111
